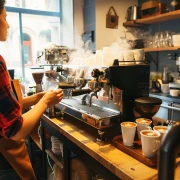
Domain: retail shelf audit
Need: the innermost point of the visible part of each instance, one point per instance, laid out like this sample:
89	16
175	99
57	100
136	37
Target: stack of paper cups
138	55
107	57
128	56
117	54
92	60
98	58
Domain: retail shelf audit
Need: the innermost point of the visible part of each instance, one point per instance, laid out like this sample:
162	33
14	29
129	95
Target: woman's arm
32	100
12	124
31	118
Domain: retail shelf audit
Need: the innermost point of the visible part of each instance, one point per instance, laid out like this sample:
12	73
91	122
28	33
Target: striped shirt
10	110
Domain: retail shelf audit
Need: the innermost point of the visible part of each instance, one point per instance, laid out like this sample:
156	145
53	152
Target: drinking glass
156	39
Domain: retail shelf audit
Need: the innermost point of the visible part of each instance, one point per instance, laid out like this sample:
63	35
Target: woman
14	126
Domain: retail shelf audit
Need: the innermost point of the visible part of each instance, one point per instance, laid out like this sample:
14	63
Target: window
34	25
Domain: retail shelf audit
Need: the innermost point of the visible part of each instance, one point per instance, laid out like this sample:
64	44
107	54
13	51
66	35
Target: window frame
21	11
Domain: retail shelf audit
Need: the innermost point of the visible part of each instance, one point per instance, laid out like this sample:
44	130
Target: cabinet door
176	113
164	113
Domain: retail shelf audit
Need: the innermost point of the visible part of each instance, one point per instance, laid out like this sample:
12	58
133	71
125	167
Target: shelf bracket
155	61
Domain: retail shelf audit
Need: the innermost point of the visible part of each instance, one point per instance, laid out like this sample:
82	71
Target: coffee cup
162	130
150	142
174	92
128	56
128	132
142	124
138	55
165	88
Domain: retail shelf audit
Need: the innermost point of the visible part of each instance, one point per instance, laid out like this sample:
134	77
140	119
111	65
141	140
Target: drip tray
98	114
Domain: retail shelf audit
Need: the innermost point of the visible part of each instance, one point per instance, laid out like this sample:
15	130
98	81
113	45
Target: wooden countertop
119	163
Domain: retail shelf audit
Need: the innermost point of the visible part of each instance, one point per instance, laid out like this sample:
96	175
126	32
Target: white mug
128	132
150	142
165	88
174	92
142	123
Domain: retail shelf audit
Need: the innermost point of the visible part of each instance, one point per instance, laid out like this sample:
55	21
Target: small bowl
174	92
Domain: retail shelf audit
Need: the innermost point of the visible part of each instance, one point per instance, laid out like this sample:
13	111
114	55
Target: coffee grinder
38	74
146	107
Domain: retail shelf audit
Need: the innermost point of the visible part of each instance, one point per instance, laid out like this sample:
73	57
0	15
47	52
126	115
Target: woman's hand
52	97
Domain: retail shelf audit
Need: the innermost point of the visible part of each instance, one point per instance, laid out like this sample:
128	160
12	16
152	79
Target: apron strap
15	84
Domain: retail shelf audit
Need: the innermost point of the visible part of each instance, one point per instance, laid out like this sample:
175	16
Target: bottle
164	79
174	5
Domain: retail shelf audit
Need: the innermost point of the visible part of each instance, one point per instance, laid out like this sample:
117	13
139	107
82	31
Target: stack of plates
56	145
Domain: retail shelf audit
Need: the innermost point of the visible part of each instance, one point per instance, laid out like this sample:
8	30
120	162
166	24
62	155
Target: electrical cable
51	167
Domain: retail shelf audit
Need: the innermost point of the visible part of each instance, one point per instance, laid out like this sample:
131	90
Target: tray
134	151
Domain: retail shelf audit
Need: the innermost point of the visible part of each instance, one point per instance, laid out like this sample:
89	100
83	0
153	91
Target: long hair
2	2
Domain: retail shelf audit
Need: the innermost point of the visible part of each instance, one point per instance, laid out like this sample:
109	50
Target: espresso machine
133	82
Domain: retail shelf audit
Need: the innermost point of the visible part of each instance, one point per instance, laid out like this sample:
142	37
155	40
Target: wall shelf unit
153	19
162	49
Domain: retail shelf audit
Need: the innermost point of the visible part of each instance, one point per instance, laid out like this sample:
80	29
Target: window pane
38	33
45	5
10	49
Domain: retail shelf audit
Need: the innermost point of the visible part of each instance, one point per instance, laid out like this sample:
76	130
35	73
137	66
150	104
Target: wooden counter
119	163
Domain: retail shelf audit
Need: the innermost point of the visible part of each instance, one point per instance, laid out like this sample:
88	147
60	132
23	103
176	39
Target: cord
51	167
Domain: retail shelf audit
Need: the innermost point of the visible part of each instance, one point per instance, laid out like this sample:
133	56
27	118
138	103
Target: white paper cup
138	54
128	55
150	142
162	130
143	124
128	132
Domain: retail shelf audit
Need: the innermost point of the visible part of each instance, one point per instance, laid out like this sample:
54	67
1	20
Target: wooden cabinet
74	158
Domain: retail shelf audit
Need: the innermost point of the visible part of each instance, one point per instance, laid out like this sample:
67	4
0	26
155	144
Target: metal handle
170	107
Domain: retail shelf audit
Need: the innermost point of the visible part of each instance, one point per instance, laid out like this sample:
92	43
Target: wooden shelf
132	24
54	158
154	19
162	49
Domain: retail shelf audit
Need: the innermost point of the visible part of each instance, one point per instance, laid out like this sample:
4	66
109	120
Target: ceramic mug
165	88
174	92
